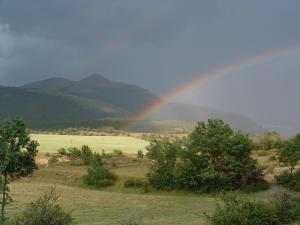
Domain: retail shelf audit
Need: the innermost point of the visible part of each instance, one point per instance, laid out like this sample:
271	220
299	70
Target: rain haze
160	45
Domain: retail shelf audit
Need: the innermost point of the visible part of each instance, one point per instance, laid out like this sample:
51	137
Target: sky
160	45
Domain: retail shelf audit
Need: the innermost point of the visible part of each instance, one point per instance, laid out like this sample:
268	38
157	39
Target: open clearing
51	143
109	205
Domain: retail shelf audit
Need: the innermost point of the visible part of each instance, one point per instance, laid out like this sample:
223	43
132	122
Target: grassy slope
51	143
107	206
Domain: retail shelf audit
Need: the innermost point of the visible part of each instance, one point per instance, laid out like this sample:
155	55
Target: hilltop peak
95	77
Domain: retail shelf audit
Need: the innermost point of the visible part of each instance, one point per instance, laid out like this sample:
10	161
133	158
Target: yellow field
51	143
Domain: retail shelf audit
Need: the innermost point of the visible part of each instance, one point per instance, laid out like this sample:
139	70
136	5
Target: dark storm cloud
141	41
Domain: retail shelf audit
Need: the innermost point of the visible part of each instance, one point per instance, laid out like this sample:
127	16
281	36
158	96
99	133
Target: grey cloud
143	42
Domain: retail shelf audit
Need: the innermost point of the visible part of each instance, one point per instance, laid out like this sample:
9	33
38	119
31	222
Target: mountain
96	100
56	84
124	96
39	108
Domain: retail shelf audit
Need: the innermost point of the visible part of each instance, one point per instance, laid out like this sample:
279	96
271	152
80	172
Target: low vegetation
289	180
213	158
282	210
44	211
97	175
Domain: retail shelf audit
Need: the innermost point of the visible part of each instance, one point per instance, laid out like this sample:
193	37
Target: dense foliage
289	180
44	211
290	153
83	155
97	175
163	154
17	156
212	158
283	210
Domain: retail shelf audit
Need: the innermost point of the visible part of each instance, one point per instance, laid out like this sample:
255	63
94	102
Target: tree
290	153
163	154
17	156
217	158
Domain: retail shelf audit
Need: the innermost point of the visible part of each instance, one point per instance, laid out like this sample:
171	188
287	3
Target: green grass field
109	205
51	143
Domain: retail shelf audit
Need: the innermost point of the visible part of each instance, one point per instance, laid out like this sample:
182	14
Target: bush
237	211
62	151
283	210
289	180
86	154
140	154
44	211
117	152
134	182
74	153
259	185
98	176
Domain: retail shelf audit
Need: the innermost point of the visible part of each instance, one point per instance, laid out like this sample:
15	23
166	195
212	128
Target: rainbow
220	71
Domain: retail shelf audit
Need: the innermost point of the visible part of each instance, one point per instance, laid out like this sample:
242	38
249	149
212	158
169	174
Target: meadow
51	143
107	206
110	205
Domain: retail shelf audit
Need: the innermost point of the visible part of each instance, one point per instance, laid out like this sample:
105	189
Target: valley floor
110	205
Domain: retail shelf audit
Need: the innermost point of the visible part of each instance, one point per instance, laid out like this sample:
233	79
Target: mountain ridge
95	98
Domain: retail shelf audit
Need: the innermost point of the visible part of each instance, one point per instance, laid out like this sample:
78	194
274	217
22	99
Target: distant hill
55	84
191	113
39	108
95	101
128	97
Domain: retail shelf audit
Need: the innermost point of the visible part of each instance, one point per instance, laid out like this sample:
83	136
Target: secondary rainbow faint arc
220	71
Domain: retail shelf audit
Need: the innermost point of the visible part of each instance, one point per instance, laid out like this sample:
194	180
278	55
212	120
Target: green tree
17	156
163	154
290	153
217	158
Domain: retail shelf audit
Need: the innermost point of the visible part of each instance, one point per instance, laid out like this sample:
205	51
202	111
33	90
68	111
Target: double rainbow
220	71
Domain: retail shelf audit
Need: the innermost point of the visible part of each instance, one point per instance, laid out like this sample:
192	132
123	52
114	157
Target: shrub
289	180
134	182
62	151
290	153
44	211
74	153
99	176
86	154
283	210
140	154
117	152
